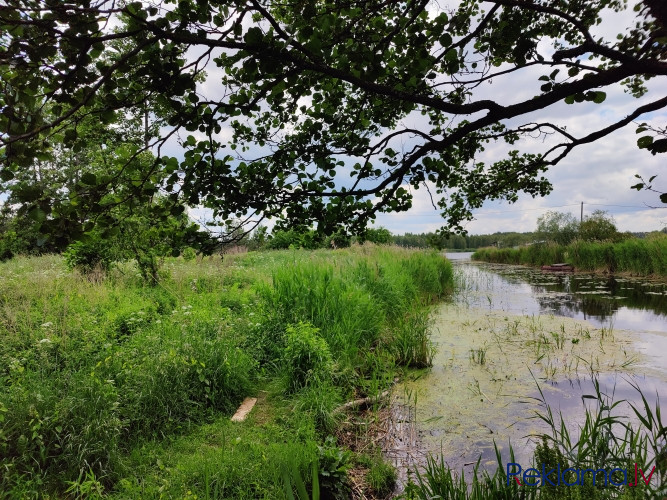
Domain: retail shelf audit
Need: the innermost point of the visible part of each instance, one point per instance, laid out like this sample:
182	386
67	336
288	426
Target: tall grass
639	256
99	381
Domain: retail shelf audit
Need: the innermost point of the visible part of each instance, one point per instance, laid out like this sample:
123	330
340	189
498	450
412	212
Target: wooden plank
244	409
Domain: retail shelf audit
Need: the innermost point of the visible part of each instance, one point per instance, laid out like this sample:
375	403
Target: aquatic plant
608	444
639	256
478	355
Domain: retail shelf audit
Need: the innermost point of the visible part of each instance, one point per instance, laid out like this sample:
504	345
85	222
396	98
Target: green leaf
659	146
599	97
254	36
663	197
177	210
89	178
644	142
445	40
6	174
37	214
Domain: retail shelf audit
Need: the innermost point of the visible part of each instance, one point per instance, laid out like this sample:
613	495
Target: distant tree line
462	242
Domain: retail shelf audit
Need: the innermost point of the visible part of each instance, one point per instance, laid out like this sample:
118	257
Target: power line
643	207
430	214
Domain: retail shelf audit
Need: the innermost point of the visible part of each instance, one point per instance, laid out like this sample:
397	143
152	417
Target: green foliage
640	256
292	481
70	425
109	385
320	400
339	239
189	253
381	476
19	234
258	238
307	359
379	236
599	226
90	254
605	440
293	238
341	309
366	69
457	242
437	480
334	463
412	341
558	227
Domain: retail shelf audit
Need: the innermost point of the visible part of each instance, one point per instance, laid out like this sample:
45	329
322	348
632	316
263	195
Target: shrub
189	254
333	465
339	239
307	357
89	254
379	236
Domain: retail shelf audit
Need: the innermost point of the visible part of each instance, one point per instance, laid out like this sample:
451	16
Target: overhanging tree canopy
324	111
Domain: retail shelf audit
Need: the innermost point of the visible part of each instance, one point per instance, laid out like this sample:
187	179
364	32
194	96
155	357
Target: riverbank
113	389
646	257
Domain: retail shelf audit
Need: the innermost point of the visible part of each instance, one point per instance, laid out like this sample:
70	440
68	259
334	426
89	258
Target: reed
638	256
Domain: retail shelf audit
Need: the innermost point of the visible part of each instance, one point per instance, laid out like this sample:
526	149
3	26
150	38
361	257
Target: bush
379	236
307	357
333	465
189	254
292	238
89	254
599	226
339	239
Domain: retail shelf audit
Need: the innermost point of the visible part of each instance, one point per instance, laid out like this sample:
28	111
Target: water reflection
464	408
627	303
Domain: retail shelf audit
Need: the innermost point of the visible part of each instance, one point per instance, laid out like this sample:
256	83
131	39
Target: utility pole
146	136
582	212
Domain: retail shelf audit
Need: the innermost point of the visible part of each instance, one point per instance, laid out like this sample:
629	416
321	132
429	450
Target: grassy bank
642	257
110	388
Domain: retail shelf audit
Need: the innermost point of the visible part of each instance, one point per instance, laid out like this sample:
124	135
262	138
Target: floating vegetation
517	316
498	374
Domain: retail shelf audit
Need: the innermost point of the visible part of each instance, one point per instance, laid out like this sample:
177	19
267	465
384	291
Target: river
513	339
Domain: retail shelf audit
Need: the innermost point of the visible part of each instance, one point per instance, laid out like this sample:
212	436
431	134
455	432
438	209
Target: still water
511	329
620	303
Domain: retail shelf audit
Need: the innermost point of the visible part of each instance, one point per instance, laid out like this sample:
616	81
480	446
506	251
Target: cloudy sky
598	174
